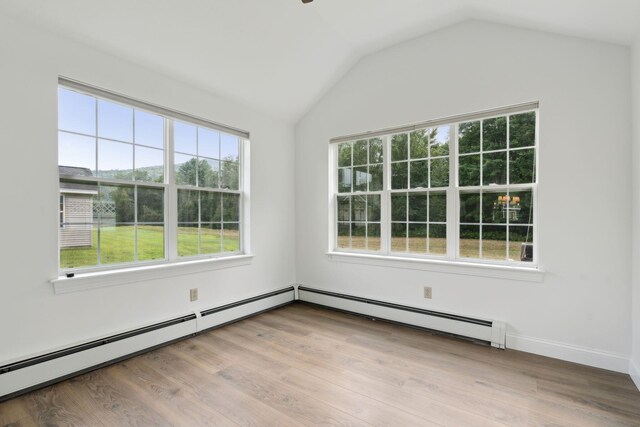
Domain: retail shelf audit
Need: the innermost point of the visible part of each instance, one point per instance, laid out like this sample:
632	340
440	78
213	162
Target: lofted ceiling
281	56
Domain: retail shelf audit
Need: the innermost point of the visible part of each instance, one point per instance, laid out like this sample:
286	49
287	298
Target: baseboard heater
490	331
25	375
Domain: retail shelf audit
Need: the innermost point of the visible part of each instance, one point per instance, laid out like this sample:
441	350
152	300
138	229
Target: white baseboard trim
634	372
571	353
30	373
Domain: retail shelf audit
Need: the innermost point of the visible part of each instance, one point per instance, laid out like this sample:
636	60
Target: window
461	189
141	184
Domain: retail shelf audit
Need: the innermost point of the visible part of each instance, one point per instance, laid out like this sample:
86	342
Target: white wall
581	310
634	368
34	319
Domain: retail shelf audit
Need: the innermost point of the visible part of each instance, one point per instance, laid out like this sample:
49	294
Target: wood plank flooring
305	365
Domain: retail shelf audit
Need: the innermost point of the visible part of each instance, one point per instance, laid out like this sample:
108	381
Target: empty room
320	212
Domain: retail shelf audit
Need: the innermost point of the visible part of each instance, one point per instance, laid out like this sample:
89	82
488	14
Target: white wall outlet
193	294
427	292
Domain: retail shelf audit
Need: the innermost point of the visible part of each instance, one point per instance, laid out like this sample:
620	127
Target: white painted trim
571	353
123	276
634	372
442	266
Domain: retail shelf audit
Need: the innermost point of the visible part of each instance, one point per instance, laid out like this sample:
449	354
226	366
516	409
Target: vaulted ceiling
281	56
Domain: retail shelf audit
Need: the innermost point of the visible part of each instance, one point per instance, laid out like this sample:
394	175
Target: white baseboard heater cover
29	374
491	331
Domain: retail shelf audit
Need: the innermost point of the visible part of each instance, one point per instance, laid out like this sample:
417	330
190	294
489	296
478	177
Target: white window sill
101	279
526	274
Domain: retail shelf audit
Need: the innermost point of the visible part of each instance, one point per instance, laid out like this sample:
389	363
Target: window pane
117	243
208	143
470	207
184	138
469	137
360	155
229	147
208	172
373	237
344	154
373	208
440	173
78	236
494	168
76	112
344	233
420	144
150	204
438	207
522	130
494	134
375	183
150	242
440	138
469	173
418	238
210	238
521	207
358	208
375	150
231	207
398	237
361	178
399	178
149	129
115	159
358	235
520	243
399	207
115	121
495	207
494	242
344	180
229	177
76	151
470	241
149	164
419	173
399	147
522	166
438	239
344	208
118	198
187	206
210	207
187	239
418	207
186	169
231	237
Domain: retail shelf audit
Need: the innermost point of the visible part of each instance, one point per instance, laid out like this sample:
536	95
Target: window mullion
385	202
453	197
171	196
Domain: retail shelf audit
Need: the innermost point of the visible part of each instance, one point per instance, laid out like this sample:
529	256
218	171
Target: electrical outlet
427	292
193	294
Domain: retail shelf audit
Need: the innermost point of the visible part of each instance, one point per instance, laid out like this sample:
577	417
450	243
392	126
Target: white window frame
452	258
97	276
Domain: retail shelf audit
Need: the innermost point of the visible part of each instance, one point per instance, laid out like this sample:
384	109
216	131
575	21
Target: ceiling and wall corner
281	56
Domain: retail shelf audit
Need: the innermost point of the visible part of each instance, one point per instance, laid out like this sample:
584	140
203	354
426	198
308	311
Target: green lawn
491	249
117	245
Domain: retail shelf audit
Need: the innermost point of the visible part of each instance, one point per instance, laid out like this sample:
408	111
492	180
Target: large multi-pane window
460	189
141	185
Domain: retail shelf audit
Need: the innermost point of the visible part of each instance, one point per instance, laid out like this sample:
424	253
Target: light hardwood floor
305	365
